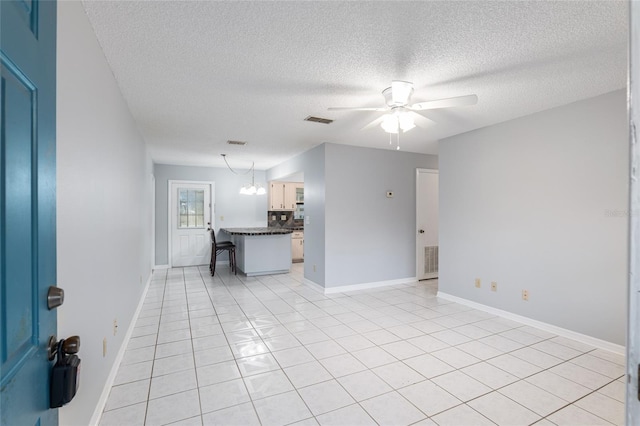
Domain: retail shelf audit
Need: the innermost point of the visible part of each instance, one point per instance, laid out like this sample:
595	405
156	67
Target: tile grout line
354	305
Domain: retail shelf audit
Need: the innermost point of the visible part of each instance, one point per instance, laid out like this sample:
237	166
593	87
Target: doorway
189	223
426	224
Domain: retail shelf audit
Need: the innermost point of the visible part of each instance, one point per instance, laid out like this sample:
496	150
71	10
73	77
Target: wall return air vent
318	120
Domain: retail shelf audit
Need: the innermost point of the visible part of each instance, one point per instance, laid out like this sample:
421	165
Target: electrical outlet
525	295
314	268
115	326
494	286
104	347
221	218
283	217
478	283
273	217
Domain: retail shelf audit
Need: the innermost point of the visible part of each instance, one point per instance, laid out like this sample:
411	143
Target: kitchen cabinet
300	193
276	196
282	195
289	196
297	246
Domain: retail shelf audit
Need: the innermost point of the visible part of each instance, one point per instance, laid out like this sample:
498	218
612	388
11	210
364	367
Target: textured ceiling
196	74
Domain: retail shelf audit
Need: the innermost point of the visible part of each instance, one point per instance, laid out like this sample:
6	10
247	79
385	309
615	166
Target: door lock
55	297
65	373
421	231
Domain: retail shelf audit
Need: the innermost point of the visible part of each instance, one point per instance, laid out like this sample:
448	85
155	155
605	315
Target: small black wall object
65	377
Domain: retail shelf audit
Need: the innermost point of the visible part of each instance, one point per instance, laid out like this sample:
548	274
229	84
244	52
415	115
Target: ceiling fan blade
355	109
421	120
445	103
374	123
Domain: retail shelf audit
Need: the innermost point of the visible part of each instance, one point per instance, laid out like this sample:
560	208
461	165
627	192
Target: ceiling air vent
318	120
241	143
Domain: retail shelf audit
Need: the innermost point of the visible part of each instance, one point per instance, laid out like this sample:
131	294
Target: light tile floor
233	350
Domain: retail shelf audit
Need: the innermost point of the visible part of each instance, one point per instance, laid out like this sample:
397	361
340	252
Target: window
191	208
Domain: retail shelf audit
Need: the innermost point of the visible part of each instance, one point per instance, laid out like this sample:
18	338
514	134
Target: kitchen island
261	251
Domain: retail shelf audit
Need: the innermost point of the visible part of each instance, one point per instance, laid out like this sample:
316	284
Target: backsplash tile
280	223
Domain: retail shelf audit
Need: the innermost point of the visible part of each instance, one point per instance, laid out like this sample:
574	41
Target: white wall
104	207
369	237
237	210
311	165
356	235
526	203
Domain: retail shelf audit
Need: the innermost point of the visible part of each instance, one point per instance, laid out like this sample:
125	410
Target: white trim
314	285
153	218
366	286
160	267
598	343
418	250
97	412
169	210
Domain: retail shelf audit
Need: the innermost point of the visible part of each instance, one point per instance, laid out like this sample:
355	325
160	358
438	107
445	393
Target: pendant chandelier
249	188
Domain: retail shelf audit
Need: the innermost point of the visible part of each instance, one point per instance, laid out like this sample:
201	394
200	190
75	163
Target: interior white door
427	224
190	211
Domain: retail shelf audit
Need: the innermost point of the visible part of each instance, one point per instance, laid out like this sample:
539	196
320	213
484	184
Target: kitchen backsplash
278	219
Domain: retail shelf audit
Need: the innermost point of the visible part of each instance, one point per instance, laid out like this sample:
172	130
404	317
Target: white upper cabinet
282	195
276	196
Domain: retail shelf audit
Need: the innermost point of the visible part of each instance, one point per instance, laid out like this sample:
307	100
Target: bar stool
217	248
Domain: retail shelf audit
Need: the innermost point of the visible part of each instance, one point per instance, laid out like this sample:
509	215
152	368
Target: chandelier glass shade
249	188
398	120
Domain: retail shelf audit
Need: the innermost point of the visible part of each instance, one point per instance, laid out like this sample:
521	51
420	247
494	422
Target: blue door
27	212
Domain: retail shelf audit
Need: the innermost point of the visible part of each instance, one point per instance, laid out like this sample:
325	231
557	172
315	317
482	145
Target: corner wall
356	235
237	210
104	208
312	164
371	238
540	203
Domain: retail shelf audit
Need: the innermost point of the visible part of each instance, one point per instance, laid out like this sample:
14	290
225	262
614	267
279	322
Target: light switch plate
307	219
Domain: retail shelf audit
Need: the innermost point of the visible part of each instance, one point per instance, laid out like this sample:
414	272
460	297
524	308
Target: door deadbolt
55	297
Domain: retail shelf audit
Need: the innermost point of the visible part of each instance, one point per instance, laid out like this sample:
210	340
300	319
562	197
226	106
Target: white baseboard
97	413
314	285
583	338
159	267
367	286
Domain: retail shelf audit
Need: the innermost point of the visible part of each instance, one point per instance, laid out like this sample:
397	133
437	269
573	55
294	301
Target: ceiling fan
402	114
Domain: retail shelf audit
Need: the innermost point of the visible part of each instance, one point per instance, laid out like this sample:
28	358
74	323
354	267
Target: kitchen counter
257	231
262	251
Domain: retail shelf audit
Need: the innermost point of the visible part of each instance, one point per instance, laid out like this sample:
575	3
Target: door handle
55	297
421	231
70	345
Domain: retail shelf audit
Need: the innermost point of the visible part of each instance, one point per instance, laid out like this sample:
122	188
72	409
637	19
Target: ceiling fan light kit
400	112
399	119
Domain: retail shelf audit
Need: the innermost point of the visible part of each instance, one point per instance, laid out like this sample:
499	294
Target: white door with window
190	219
427	223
